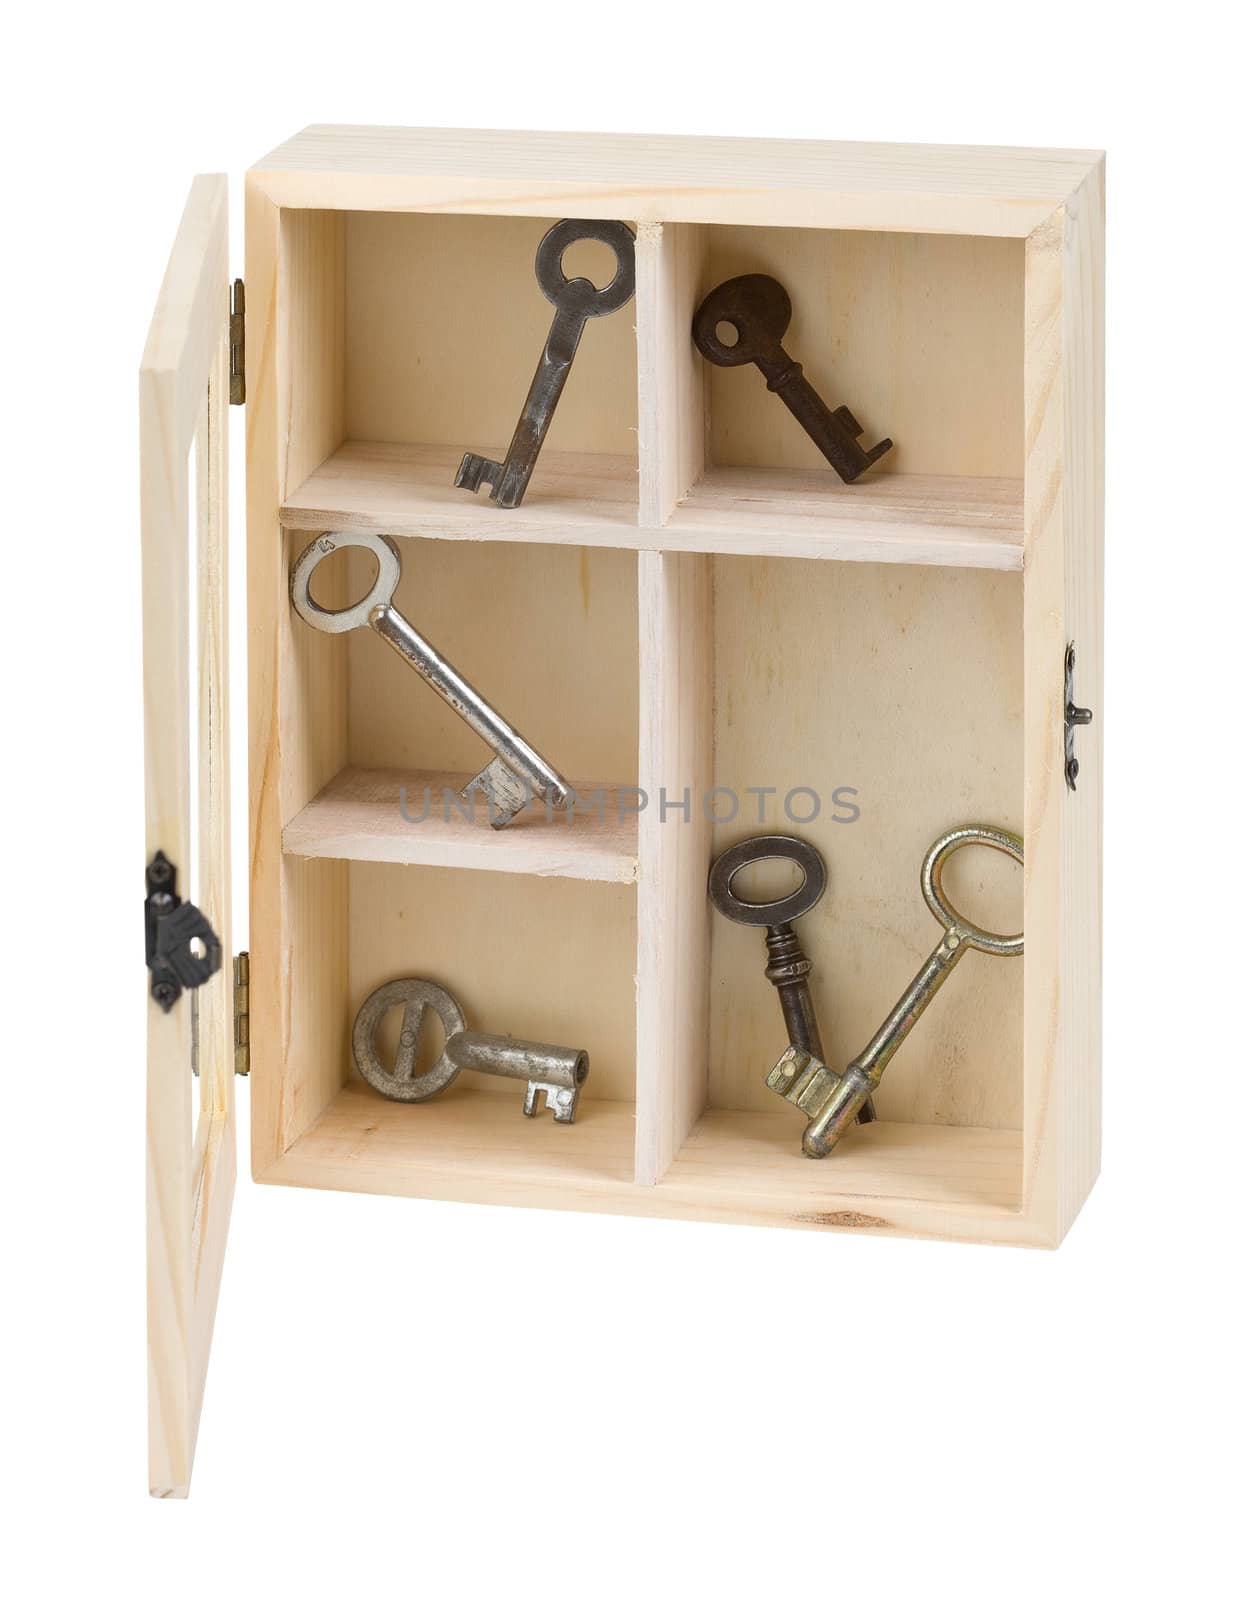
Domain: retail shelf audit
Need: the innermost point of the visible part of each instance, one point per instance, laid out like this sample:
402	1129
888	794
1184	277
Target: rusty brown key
758	309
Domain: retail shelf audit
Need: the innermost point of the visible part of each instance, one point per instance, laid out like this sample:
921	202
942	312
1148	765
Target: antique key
831	1102
788	967
518	772
547	1069
758	308
575	300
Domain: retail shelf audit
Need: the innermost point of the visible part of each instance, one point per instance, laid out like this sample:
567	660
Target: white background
457	1400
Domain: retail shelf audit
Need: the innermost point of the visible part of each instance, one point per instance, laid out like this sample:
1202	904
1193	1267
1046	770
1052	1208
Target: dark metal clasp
181	949
1075	717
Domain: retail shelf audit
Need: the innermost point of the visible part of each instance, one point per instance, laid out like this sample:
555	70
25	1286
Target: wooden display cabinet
687	600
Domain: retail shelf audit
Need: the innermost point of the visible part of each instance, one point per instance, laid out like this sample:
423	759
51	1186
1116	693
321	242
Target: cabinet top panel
653	178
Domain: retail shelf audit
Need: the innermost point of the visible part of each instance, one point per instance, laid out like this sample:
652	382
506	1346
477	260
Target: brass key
831	1102
758	308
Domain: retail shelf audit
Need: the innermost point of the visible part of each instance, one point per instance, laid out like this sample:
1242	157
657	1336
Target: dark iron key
758	308
787	966
575	300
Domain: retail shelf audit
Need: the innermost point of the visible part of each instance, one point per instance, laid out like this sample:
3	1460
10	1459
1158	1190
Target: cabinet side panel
1044	643
1064	603
1082	848
297	686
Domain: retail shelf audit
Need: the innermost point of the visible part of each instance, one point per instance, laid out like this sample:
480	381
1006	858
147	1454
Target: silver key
552	1071
575	300
518	773
831	1101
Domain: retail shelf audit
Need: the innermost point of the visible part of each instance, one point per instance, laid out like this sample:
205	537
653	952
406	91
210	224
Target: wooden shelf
592	500
942	522
468	1143
358	817
474	1144
408	489
740	1156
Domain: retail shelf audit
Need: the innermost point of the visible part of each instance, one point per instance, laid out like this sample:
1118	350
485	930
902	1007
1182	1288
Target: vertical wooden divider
675	714
668	262
675	773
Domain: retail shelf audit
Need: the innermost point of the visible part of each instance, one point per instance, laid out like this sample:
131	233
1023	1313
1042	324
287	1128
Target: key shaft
548	1070
788	968
833	1102
459	693
835	433
515	472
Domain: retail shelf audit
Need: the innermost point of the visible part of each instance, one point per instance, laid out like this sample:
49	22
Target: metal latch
180	947
1075	717
238	392
242	1055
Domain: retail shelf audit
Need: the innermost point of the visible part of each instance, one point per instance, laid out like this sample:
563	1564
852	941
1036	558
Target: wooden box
688	602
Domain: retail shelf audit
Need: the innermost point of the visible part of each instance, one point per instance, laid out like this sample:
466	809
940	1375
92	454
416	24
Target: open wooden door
183	396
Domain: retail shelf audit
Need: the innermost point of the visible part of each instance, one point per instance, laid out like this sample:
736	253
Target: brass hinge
238	393
242	1059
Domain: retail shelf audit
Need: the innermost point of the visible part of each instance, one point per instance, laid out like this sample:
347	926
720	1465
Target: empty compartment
416	337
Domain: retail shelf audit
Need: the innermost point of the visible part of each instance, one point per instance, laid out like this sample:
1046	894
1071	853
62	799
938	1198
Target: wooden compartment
462	930
419	335
919	334
845	690
688	604
549	634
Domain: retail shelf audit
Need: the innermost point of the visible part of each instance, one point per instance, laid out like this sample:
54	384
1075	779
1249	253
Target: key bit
553	1071
803	1080
575	299
758	308
562	1103
474	471
506	792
